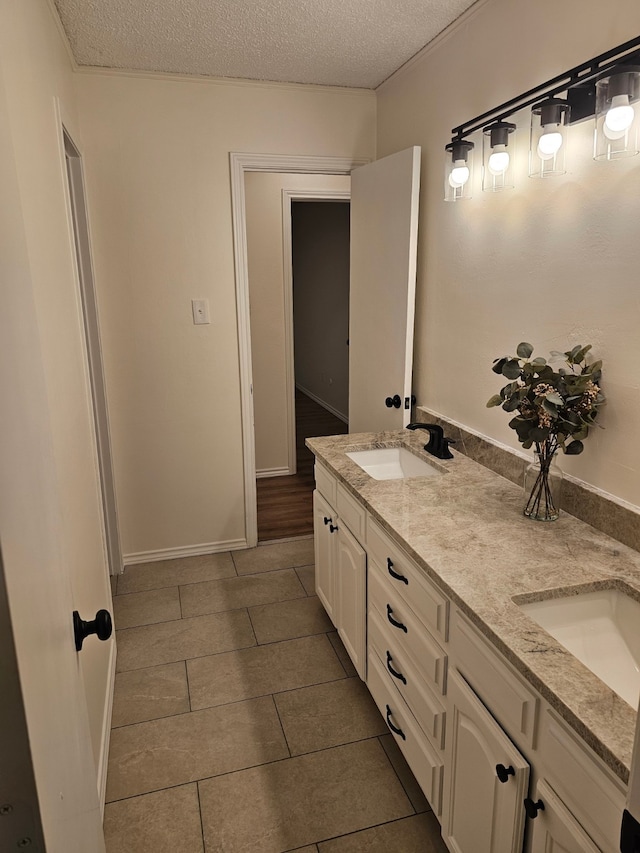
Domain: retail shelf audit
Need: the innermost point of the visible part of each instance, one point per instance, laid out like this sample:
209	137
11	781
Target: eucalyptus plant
553	408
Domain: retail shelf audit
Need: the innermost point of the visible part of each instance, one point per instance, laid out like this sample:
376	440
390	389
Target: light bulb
550	142
619	118
459	174
499	160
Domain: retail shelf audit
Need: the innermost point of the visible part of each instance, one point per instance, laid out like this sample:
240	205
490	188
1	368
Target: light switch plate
200	309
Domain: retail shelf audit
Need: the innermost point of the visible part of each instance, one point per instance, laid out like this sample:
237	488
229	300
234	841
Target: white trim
340	415
289	196
186	551
239	164
62	33
312	88
434	44
273	472
103	760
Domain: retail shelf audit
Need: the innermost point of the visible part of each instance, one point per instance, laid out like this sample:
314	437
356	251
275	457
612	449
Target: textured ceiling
355	43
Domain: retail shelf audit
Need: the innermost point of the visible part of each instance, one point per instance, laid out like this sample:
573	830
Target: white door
481	811
351	580
41	651
384	238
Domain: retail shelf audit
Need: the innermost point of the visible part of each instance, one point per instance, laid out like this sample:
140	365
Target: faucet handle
446	453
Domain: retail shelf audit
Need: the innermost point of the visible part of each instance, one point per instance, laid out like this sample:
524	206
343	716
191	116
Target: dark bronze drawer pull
393	672
394	622
393	728
395	574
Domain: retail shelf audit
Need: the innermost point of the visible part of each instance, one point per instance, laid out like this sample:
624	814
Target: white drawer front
426	764
512	702
326	484
588	790
409	581
428	711
351	513
416	643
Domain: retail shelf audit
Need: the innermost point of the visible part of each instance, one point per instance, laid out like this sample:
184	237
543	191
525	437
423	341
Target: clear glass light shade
458	173
617	132
548	139
498	148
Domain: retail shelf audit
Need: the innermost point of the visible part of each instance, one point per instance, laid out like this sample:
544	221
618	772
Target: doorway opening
316	260
241	166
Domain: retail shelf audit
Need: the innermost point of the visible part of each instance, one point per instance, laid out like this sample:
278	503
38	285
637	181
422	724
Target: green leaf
554	398
499	363
574	448
524	350
539	434
511	369
539	362
511	404
496	400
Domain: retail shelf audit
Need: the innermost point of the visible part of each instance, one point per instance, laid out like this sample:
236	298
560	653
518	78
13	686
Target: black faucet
438	445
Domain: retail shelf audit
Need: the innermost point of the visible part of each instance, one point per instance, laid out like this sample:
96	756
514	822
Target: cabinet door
351	574
554	829
324	545
480	812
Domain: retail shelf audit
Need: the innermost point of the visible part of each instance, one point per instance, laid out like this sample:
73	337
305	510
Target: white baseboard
103	759
273	472
344	418
185	551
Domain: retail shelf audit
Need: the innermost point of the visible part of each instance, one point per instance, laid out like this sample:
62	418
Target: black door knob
101	625
503	772
532	808
393	402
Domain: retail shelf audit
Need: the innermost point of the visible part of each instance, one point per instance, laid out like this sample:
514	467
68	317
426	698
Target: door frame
240	164
80	237
288	197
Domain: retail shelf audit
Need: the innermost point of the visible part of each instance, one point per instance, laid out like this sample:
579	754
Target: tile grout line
284	734
402	785
204	846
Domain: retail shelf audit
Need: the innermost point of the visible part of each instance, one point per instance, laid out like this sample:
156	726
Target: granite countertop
467	532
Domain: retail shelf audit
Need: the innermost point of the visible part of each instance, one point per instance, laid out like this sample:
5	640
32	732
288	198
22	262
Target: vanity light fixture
458	170
617	118
606	88
548	143
497	156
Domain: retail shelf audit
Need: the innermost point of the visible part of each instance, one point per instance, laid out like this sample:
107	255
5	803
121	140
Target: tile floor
239	724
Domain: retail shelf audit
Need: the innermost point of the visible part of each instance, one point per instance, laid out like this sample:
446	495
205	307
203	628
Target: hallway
285	504
239	723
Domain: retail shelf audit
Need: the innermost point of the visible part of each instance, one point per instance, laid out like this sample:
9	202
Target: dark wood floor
285	506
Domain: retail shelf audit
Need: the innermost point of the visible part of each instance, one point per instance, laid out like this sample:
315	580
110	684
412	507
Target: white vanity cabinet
477	736
487	779
555	830
341	564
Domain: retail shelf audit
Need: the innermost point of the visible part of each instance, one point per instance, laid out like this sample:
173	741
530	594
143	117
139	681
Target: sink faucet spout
437	445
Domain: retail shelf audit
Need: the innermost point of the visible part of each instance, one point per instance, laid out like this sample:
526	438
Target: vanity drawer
408	580
512	702
402	674
588	789
426	764
352	513
326	484
415	643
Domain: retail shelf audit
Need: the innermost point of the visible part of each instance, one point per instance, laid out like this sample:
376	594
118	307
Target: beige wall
263	196
321	299
554	261
159	201
36	70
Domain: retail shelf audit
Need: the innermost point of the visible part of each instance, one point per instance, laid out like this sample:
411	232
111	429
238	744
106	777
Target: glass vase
542	486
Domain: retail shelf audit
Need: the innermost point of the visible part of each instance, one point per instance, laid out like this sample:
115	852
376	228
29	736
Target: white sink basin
602	629
392	463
